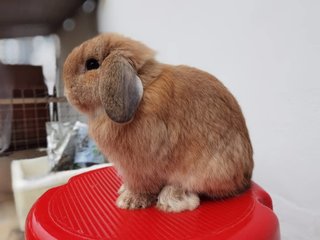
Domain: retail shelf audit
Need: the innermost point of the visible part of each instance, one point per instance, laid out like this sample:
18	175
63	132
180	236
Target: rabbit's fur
172	132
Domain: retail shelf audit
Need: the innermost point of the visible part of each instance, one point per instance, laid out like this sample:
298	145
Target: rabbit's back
193	99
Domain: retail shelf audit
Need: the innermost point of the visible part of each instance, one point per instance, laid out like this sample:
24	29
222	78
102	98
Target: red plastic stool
85	208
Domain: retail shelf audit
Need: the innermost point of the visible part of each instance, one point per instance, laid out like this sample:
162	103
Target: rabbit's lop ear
120	89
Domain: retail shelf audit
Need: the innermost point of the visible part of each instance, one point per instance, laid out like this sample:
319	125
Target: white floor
296	223
9	227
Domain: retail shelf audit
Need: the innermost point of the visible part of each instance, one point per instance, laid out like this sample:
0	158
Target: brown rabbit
172	132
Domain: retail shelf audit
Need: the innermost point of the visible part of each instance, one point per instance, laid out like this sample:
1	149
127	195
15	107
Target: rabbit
173	133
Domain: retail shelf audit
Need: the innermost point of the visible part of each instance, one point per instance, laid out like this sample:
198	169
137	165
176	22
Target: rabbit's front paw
129	200
121	189
175	199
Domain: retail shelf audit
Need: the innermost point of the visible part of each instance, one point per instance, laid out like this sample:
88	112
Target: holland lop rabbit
172	132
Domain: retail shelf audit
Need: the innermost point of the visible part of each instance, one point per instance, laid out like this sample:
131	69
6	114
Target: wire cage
30	110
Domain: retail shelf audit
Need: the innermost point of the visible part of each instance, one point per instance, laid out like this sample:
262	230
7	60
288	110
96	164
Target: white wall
268	54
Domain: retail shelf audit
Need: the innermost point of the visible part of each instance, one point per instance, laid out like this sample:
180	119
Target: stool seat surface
84	208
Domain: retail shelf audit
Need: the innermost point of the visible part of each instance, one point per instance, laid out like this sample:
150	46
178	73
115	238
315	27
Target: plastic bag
60	145
86	151
70	147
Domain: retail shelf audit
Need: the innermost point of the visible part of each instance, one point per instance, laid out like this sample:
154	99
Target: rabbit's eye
92	64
